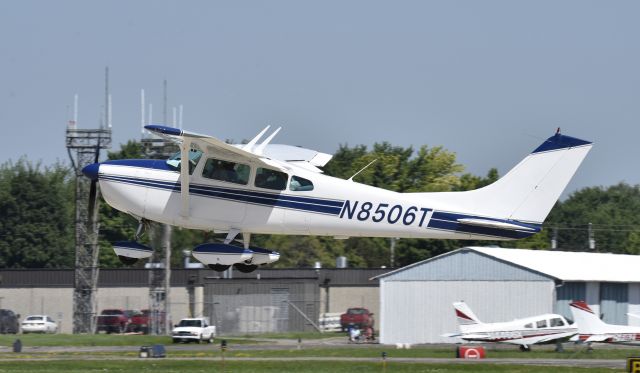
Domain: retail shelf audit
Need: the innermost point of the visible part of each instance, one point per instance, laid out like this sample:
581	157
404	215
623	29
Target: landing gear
129	252
245	268
218	267
127	260
525	348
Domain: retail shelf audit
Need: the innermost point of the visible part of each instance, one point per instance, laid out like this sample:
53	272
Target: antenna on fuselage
362	169
266	142
254	140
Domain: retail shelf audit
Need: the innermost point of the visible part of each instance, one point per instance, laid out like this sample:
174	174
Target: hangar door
614	300
567	293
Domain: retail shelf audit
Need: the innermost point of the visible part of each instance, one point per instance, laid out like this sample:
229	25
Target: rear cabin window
230	172
271	179
528	326
557	322
541	324
300	184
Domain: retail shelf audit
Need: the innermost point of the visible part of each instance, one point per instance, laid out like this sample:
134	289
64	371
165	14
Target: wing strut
185	147
233	232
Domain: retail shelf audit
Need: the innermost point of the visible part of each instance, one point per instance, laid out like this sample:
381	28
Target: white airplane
525	332
257	188
592	329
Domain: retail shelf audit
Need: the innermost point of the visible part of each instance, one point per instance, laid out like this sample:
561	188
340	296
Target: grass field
120	354
49	340
158	366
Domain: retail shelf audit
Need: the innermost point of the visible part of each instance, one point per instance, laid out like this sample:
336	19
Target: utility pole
160	261
392	261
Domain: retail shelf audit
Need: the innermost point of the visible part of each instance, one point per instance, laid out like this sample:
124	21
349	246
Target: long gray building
503	284
264	301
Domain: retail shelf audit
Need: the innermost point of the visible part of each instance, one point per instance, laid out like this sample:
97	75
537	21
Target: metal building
503	284
266	300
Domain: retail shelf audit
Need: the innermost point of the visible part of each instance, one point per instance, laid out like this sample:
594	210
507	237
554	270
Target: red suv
356	316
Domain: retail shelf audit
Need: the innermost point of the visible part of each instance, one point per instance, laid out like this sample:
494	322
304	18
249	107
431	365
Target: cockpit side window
230	172
270	179
194	157
300	184
556	322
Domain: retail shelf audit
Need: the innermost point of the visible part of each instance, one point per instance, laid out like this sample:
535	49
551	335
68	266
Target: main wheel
219	267
127	261
245	268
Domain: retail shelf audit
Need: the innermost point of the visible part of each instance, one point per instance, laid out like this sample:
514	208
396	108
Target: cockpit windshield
194	158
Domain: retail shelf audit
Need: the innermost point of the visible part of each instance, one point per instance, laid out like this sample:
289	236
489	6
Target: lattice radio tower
160	261
86	144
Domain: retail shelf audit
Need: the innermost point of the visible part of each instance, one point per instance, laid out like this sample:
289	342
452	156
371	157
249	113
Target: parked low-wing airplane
279	189
592	329
525	332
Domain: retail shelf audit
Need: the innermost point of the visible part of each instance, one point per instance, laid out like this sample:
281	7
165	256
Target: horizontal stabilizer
598	338
494	224
451	335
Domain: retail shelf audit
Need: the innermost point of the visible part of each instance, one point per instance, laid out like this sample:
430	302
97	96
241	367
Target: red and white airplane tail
586	319
465	316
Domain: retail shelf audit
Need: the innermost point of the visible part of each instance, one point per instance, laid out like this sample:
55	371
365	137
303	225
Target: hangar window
299	184
271	179
541	324
529	325
557	322
230	172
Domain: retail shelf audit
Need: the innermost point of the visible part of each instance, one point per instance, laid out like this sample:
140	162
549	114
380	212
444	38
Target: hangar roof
561	265
571	265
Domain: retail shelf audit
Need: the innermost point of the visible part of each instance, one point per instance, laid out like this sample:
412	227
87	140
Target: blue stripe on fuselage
440	220
324	206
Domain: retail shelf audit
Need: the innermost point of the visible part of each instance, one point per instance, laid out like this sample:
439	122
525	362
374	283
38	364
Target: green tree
36	228
613	212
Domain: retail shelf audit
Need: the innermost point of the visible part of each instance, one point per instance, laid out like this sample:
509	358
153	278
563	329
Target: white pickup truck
195	329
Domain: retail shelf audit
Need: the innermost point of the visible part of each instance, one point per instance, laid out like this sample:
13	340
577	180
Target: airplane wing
179	136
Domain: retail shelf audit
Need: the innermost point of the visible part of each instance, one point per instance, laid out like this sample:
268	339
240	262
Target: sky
488	80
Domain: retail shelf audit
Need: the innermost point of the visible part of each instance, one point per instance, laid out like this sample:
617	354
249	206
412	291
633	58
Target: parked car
356	316
38	324
113	320
9	322
193	329
143	321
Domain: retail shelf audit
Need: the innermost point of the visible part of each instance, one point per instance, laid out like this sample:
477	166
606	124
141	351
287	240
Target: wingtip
163	129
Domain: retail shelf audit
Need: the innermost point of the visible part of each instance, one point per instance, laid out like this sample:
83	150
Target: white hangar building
503	284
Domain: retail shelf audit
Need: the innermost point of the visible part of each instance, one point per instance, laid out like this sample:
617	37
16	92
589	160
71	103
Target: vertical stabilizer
465	316
586	320
529	190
